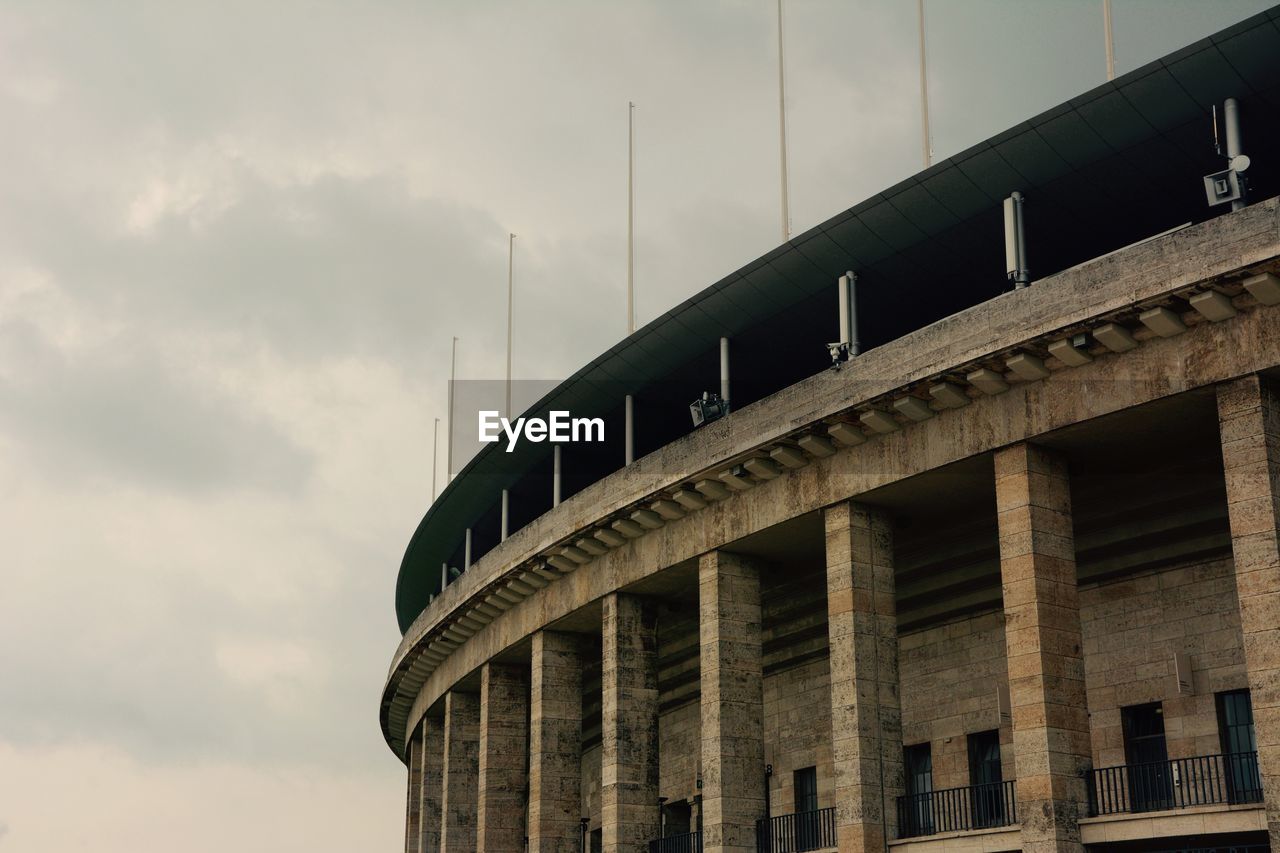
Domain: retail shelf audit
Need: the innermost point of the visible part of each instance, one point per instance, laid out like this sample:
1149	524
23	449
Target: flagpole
511	260
924	94
1110	37
631	217
782	131
453	365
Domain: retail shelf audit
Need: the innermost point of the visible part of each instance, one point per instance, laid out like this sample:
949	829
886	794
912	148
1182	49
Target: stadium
996	570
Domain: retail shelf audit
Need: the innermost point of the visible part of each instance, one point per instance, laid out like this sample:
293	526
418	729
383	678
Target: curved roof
1116	164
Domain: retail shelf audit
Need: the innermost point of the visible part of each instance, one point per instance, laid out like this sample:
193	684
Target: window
985	778
1239	747
806	789
677	818
1150	784
808	832
917	762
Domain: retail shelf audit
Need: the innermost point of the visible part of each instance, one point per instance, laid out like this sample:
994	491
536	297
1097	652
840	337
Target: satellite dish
1239	163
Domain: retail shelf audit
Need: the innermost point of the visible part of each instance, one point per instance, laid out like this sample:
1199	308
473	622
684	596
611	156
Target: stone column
555	743
432	783
732	702
1042	632
504	744
461	772
866	712
413	807
1249	419
629	724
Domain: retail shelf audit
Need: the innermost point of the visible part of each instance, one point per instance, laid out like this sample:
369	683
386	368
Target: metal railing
795	833
1177	783
1228	848
689	842
957	809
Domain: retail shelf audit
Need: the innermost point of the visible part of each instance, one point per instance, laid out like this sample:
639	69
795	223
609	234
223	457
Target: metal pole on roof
631	217
435	447
629	407
511	262
724	372
782	131
1110	38
506	514
555	476
924	95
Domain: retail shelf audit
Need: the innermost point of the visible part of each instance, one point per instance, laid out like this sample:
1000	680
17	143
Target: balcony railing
1178	783
690	842
957	809
795	833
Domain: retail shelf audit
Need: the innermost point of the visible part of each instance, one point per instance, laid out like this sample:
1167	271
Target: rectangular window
1239	747
1150	783
805	781
986	792
917	762
806	789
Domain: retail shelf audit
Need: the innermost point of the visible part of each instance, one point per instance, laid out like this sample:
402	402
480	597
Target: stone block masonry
629	723
732	702
461	776
1045	648
555	742
504	749
866	719
1249	421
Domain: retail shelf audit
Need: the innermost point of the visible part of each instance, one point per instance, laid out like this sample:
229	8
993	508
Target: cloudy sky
235	242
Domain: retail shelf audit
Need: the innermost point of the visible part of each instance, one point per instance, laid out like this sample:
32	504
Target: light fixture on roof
707	408
712	406
1228	186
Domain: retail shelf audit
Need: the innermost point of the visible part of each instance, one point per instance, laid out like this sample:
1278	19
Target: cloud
122	804
129	413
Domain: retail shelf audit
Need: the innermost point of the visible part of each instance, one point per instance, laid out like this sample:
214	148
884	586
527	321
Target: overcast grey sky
235	240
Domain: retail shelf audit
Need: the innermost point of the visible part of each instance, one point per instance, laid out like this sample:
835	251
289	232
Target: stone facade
1132	629
1249	414
650	688
629	723
460	782
504	744
951	677
866	721
555	743
432	788
413	808
1045	647
732	720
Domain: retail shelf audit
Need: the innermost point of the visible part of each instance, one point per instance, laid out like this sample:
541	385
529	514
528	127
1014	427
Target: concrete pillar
866	711
629	724
555	743
461	772
732	702
432	730
1249	419
504	753
413	806
1042	633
